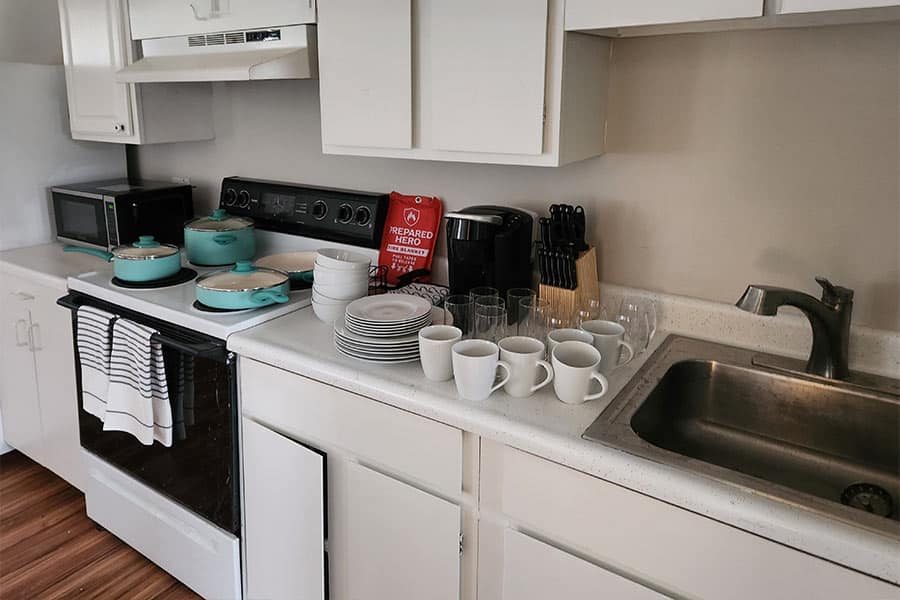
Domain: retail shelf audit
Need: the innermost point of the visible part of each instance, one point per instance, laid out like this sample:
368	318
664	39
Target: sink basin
830	446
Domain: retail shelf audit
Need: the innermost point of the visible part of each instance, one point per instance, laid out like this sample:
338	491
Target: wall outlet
183	180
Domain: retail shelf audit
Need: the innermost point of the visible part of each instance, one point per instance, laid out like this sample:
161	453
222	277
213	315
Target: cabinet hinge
460	544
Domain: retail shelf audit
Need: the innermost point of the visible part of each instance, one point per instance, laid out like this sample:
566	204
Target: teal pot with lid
244	286
219	239
145	260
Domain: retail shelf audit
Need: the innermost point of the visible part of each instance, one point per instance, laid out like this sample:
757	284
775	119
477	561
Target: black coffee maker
489	245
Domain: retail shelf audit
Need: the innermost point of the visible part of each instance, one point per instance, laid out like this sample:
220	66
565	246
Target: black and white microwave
110	213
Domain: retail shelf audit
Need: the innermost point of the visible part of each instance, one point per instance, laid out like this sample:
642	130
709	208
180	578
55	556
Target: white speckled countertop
543	426
49	265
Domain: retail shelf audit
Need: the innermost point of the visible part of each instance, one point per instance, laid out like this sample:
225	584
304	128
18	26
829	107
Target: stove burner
182	276
211	309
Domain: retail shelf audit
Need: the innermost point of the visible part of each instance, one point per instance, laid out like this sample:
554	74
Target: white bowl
340	277
323	299
342	292
342	259
329	312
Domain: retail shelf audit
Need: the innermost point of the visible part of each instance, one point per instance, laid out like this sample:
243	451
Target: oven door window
199	470
80	219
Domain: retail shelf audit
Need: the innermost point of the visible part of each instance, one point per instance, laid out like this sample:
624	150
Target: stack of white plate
385	328
339	277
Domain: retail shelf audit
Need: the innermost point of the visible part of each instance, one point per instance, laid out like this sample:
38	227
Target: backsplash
739	157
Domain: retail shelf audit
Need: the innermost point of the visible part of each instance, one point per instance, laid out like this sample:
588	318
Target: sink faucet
829	318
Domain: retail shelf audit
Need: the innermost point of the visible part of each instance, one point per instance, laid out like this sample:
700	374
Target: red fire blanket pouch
410	232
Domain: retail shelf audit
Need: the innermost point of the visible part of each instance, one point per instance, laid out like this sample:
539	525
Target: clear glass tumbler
490	322
462	308
514	299
535	321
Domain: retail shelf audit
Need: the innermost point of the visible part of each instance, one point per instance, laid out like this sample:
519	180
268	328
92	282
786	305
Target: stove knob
319	210
229	197
345	213
243	199
363	216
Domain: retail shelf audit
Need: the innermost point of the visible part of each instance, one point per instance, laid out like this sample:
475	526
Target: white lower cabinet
284	516
389	540
533	570
38	397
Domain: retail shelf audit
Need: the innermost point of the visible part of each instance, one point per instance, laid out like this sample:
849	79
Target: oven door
80	219
200	469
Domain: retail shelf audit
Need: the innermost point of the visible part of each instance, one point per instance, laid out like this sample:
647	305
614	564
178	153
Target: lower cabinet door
389	540
533	570
284	516
19	401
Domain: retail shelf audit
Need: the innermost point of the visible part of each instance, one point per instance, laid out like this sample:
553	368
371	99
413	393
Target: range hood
273	53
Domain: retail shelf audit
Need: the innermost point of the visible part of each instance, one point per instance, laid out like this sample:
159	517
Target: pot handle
224	239
107	256
266	297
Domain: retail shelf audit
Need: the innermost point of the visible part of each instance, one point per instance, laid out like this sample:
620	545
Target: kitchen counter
543	426
49	265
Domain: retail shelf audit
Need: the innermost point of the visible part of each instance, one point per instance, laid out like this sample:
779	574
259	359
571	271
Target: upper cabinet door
602	14
163	18
783	7
284	516
365	72
487	66
94	49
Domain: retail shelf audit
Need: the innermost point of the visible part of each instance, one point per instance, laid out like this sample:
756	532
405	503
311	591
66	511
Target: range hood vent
272	53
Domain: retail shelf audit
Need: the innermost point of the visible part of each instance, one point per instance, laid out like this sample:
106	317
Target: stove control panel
346	216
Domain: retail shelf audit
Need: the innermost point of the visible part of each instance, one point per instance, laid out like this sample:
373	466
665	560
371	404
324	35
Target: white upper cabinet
599	14
783	7
487	88
490	81
365	73
94	49
96	43
161	18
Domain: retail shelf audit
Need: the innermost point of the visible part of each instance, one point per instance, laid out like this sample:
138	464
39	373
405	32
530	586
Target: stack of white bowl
339	278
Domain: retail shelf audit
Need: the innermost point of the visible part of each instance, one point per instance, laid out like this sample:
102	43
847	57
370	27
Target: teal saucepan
244	286
298	265
219	239
145	260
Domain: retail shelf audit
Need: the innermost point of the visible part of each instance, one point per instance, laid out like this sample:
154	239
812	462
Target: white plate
370	347
376	355
437	316
395	361
389	309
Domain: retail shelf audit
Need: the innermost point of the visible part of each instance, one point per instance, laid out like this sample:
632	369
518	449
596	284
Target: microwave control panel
346	216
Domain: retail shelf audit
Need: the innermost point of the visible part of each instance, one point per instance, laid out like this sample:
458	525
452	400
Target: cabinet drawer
329	417
674	549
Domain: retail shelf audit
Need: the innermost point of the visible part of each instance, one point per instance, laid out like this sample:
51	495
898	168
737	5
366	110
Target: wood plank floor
50	549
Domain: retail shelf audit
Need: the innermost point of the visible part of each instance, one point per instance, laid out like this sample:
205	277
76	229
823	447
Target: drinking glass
590	310
462	308
514	299
490	322
535	321
484	291
638	316
489	301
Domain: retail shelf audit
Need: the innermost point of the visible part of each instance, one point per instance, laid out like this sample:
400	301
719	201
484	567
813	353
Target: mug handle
505	365
604	385
547	379
630	352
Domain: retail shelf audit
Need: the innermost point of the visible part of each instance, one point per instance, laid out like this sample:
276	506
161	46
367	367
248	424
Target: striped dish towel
93	340
138	400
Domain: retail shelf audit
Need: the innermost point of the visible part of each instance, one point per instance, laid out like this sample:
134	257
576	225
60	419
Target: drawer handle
36	337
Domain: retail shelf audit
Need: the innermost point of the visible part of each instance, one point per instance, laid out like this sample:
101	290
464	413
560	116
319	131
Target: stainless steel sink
748	419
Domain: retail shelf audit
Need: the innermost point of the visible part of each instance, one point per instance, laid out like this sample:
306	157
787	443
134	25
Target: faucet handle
834	295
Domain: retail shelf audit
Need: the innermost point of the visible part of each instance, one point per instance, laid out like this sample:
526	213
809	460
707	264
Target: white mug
575	367
475	365
436	350
567	334
524	355
608	338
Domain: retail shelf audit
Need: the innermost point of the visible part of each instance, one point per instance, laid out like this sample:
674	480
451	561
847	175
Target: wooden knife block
564	303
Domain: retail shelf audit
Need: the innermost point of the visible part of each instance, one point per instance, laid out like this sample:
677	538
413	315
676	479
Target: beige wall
29	32
766	156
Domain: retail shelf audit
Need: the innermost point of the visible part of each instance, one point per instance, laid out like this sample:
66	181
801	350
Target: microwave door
80	219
